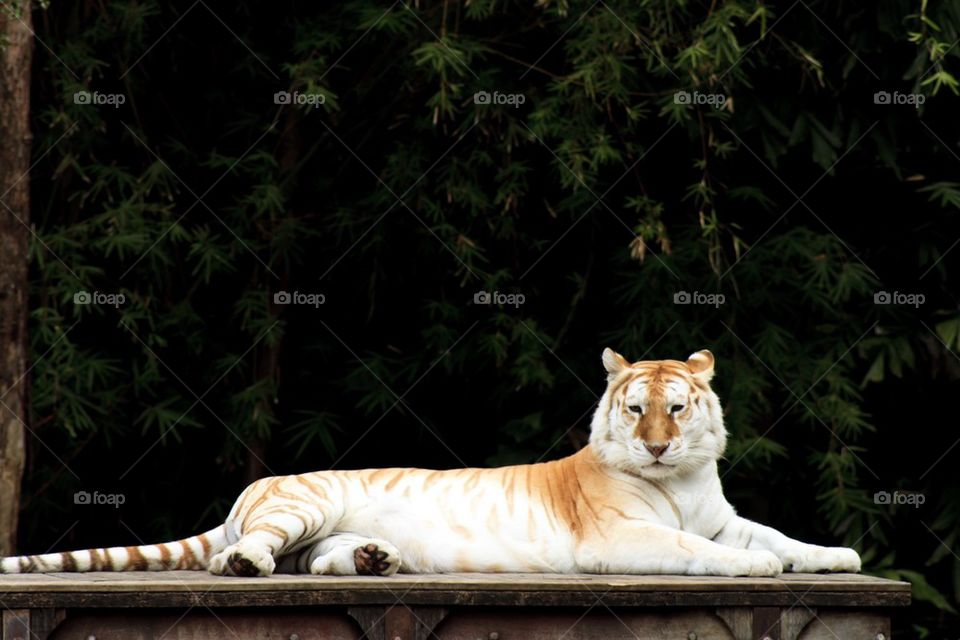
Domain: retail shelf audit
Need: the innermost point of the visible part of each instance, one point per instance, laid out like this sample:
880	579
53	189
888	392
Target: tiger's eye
675	408
636	408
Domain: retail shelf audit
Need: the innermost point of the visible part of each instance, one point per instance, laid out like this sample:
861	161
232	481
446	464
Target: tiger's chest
693	503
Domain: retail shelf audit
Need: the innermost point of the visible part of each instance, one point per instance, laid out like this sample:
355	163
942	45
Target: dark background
597	199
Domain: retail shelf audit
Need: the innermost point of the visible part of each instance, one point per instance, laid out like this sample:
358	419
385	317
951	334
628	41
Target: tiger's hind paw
245	560
351	554
376	559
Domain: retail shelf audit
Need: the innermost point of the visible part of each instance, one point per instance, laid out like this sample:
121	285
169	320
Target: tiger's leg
642	548
344	554
795	555
271	531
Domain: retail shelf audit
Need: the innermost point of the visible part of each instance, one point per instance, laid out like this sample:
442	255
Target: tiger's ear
613	362
701	365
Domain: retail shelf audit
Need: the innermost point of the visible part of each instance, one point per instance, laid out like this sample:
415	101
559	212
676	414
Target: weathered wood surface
428	623
830	625
202	624
193	588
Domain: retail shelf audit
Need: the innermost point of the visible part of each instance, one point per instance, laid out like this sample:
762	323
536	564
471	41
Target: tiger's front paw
813	559
762	564
742	563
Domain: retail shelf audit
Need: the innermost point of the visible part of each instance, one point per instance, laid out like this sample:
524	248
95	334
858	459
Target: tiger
643	496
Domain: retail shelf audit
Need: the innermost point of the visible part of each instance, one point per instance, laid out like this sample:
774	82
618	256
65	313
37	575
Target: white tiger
643	497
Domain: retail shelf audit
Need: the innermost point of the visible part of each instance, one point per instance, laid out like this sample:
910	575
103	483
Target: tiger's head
658	418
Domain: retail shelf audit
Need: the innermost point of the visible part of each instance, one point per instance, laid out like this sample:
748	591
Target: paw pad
241	566
370	560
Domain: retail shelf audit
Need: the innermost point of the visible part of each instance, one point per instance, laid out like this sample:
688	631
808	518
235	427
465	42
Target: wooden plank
44	621
575	625
449	598
199	580
427	619
16	625
830	625
204	625
186	588
766	623
794	620
371	621
399	623
739	621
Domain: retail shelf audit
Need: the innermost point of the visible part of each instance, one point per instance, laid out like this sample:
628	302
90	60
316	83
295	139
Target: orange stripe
164	555
205	544
189	559
136	560
393	482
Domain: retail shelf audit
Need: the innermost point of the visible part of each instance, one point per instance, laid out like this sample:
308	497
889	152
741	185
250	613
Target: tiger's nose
657	450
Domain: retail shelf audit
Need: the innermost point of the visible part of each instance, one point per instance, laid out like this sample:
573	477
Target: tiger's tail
190	553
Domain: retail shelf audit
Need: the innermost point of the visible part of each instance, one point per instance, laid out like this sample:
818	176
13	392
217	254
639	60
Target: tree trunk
16	49
268	353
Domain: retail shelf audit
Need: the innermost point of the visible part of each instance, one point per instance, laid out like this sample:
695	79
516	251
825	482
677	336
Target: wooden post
397	621
16	624
766	623
16	48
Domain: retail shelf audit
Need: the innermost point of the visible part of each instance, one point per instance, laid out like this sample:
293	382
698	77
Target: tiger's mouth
657	469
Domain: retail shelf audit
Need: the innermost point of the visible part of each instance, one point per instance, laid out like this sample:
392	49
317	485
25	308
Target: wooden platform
187	604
